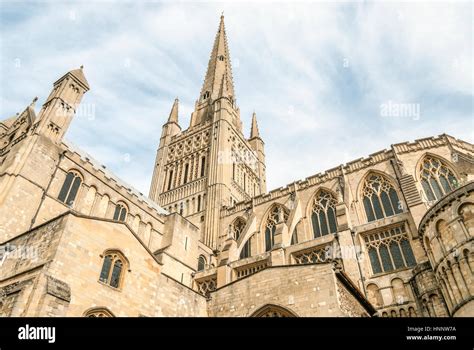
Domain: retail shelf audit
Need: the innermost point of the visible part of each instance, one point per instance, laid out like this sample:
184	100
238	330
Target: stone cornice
355	165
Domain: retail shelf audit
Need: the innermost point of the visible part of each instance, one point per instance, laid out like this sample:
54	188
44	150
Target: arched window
113	269
323	216
436	178
201	263
380	198
374	295
186	171
237	228
71	186
278	215
271	310
120	213
389	250
203	166
466	211
170	180
246	250
98	312
399	292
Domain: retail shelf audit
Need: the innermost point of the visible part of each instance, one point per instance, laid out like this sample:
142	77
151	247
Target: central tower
211	164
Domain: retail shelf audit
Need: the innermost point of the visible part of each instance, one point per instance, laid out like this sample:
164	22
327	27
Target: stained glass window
380	198
323	215
436	178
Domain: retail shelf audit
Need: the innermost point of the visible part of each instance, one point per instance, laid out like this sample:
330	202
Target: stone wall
65	276
304	290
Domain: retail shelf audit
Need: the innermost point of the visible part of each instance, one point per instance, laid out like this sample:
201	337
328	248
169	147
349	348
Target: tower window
170	180
206	95
203	165
199	203
221	58
186	170
70	188
120	213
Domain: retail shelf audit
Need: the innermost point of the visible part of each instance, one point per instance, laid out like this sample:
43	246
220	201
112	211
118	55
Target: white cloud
314	112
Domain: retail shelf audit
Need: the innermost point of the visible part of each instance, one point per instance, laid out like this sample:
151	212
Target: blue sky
316	73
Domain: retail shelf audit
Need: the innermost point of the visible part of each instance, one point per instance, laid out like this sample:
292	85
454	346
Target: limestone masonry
389	235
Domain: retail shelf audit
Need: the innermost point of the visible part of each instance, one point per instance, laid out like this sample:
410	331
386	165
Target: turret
257	145
61	105
170	129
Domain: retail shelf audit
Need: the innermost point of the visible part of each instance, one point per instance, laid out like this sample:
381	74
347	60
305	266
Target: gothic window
323	216
389	250
203	166
246	250
186	171
436	178
273	311
221	58
380	198
71	186
120	213
170	180
206	95
201	263
278	215
112	269
98	312
237	228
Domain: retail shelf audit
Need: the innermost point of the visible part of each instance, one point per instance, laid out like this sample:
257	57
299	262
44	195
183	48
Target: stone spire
254	129
218	67
173	118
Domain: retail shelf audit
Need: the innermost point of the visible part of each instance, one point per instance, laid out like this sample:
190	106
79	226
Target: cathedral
388	235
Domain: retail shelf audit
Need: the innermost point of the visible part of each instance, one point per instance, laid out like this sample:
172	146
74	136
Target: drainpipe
45	191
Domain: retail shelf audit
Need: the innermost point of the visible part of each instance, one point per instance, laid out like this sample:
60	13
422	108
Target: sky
330	82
